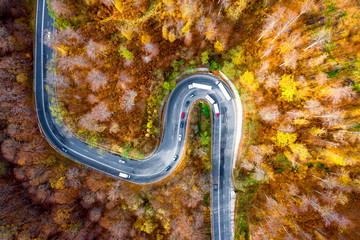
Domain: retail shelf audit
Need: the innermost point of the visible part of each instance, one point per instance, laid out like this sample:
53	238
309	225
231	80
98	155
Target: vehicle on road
182	124
48	35
215	187
216	108
167	168
187	103
210	99
200	86
64	150
124	175
180	137
193	95
121	161
223	90
183	115
175	158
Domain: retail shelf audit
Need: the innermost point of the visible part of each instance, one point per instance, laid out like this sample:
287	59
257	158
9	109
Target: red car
183	115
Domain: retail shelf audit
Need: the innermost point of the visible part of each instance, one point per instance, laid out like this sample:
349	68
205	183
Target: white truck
124	175
216	108
207	97
201	86
223	90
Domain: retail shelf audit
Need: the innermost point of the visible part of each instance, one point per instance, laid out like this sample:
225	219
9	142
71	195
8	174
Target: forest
295	65
46	196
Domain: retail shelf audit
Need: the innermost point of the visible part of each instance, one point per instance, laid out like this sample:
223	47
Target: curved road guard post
226	133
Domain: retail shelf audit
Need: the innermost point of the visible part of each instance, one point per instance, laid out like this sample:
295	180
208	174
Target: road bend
161	163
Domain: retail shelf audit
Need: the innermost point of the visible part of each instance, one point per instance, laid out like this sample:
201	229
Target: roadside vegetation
295	65
298	174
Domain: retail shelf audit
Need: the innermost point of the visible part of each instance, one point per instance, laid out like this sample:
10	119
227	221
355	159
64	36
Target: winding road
226	134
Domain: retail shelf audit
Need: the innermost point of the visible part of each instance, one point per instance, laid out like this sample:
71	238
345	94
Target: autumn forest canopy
295	64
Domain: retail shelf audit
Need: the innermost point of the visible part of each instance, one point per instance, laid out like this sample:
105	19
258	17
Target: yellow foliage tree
219	47
205	57
165	32
285	139
119	5
186	28
62	215
21	78
172	36
286	46
288	87
128	10
317	131
334	158
237	56
344	178
127	31
249	81
57	183
290	156
62	50
301	151
301	122
147	226
234	11
145	39
164	220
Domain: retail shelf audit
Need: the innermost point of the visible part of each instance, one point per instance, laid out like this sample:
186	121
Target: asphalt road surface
151	169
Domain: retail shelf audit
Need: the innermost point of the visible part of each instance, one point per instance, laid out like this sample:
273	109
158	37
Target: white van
124	175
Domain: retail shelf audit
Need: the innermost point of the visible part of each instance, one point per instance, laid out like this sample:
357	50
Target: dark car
215	187
167	168
187	103
182	124
183	115
175	158
193	95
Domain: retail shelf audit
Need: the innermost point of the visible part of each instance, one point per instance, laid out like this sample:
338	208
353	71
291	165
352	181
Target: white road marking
219	219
